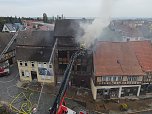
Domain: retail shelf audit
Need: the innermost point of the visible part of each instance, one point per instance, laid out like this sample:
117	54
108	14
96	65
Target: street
9	90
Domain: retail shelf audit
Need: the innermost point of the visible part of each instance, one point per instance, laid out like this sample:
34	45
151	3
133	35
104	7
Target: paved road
8	81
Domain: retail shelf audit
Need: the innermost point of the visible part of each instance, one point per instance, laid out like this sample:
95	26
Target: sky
75	8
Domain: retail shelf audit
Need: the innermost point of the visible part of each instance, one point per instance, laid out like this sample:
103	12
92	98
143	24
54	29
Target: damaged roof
115	58
35	38
69	27
143	51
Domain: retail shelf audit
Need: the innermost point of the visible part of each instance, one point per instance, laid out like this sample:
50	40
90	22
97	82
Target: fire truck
58	106
4	68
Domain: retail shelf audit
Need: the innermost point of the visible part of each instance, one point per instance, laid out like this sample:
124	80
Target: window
132	78
78	68
62	66
120	78
21	63
129	78
25	63
109	78
50	66
32	63
22	72
104	78
27	73
114	78
98	79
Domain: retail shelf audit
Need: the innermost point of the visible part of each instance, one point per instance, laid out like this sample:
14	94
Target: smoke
93	31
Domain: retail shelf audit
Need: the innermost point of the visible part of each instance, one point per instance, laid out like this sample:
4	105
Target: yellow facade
27	67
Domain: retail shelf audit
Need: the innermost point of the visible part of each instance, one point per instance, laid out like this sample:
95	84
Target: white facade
32	70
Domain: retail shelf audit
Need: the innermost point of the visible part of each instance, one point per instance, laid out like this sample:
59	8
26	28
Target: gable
5	28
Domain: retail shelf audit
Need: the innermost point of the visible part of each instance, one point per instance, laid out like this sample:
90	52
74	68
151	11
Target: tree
45	18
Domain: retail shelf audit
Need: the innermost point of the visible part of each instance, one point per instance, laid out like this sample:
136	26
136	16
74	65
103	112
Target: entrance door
34	75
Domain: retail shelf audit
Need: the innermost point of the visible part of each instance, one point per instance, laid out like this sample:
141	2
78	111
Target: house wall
107	90
28	68
116	86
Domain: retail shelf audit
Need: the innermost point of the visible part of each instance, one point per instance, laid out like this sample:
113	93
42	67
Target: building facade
117	72
33	70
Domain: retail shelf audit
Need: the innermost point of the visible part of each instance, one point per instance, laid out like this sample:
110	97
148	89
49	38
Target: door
34	75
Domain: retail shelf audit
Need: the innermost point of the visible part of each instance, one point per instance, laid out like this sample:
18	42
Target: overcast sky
75	8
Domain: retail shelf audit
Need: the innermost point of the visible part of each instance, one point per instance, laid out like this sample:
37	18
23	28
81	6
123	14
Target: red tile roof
115	58
143	51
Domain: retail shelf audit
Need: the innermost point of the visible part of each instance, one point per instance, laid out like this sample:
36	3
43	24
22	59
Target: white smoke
94	30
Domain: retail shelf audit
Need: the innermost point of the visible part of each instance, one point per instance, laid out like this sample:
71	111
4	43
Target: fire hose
26	107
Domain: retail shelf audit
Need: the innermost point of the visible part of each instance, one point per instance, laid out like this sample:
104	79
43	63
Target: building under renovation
121	69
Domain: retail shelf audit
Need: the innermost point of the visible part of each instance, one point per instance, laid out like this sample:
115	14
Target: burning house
66	31
118	69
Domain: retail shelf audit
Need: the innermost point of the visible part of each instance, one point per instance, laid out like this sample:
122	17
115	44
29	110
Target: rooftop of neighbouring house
34	45
38	54
35	38
4	40
10	26
115	58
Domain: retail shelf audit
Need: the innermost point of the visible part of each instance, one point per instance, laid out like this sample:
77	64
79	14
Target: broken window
62	66
62	54
78	67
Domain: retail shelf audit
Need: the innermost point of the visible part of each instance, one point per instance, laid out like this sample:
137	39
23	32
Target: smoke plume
93	31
